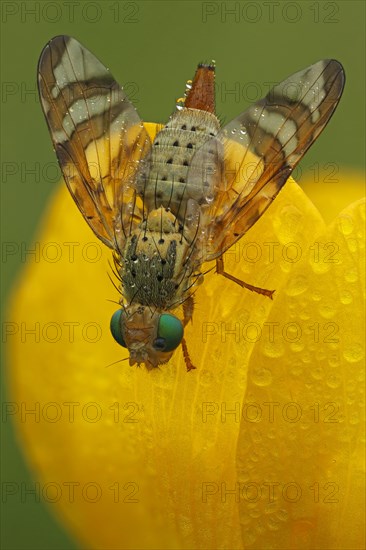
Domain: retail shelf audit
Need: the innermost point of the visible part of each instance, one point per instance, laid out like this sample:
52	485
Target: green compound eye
116	328
170	333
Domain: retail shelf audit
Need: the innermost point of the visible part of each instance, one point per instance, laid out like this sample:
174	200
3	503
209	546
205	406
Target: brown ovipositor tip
201	94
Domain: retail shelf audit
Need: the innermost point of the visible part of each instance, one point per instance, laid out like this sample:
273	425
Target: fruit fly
168	206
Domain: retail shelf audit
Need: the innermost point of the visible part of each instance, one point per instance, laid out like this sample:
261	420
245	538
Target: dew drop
319	267
286	225
304	315
352	245
345	225
353	353
273	524
261	377
351	276
346	297
282	515
296	369
327	309
296	285
249	537
273	349
354	418
317	373
334	381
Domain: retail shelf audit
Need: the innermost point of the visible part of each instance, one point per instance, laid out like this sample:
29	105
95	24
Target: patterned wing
97	134
261	148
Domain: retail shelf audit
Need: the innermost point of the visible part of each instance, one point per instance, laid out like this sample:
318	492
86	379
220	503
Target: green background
153	48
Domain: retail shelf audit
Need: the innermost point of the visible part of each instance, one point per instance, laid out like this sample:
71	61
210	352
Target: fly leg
221	271
188	306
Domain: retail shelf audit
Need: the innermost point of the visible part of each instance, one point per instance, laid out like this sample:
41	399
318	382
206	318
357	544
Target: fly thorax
157	267
174	173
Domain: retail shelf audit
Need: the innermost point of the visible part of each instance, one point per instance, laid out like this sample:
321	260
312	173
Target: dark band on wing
97	133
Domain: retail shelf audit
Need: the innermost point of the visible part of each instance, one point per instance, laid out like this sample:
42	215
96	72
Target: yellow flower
260	447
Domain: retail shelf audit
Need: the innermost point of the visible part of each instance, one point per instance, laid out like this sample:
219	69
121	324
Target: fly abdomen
172	176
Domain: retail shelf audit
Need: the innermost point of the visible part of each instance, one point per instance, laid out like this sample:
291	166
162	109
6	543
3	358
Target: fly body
167	207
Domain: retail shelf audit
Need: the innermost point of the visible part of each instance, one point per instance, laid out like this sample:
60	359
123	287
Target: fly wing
97	134
261	147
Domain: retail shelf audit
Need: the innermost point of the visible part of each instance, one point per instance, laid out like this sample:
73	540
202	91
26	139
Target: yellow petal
302	447
332	188
150	454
